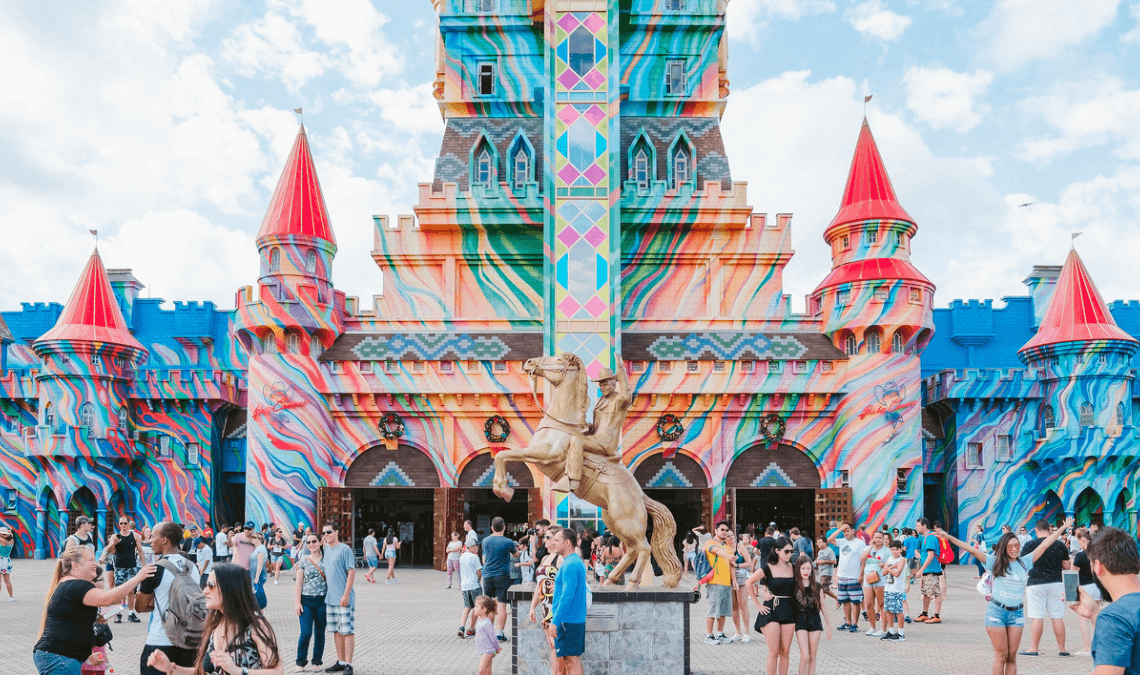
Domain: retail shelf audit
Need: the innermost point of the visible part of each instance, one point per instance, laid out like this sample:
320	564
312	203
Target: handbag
871	577
259	595
103	635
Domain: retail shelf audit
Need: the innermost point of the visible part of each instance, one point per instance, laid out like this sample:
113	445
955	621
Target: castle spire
869	194
92	313
1076	312
298	206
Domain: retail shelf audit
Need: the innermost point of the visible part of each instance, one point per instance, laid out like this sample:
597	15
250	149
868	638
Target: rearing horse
606	484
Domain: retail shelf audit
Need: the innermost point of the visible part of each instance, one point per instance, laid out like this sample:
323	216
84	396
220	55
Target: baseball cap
82	520
250	525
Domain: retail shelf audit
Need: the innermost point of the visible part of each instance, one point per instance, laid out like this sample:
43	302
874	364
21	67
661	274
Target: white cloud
1086	114
352	31
1133	36
410	108
1020	31
746	18
873	18
945	99
274	46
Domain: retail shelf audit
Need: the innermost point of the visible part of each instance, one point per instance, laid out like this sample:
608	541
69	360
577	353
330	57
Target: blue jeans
979	565
312	625
54	664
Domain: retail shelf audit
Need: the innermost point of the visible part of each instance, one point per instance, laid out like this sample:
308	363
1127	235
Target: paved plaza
409	627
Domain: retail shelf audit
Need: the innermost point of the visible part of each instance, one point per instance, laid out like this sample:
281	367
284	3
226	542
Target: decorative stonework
773	476
392	476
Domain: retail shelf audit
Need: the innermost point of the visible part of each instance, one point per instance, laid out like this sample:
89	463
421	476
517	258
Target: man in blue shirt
1115	565
930	569
568	610
497	551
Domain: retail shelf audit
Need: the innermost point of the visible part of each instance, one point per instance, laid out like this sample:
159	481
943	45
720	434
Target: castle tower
876	307
296	315
87	363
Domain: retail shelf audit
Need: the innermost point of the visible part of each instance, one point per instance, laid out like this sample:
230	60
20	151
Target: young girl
454	550
894	574
690	549
7	541
808	603
391	545
485	638
1088	585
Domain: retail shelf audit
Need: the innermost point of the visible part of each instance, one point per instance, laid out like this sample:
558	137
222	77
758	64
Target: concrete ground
409	627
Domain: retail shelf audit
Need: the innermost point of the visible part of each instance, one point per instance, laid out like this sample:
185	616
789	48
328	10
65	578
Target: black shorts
809	621
496	587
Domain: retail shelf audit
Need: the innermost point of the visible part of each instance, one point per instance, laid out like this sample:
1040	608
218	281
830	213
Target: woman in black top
67	635
1088	584
237	639
777	616
810	613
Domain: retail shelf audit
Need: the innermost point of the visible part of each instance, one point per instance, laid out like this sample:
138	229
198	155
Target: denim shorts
372	561
1000	617
48	663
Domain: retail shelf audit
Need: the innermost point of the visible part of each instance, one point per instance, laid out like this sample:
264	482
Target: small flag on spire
867	98
94	232
1076	234
297	110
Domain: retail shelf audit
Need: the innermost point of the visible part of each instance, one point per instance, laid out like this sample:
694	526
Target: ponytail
62	568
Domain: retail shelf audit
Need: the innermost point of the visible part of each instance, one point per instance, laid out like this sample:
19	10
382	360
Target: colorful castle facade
582	201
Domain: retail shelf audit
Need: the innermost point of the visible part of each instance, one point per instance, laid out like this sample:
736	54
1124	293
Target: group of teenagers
205	619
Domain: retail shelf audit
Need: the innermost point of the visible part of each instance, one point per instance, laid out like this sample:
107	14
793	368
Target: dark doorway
407	511
685	505
787	507
481	505
934	506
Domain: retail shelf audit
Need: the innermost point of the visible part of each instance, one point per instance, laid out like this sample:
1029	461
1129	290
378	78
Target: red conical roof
1076	312
298	206
869	195
92	312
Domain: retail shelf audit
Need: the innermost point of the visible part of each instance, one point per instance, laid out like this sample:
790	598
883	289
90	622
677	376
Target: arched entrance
679	483
83	503
773	484
49	543
480	504
1050	508
1089	508
1123	510
394	489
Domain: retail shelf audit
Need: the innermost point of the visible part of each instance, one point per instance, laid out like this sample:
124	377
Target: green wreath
770	436
391	426
669	427
489	425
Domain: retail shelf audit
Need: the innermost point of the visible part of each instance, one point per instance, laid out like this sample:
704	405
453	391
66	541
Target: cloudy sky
165	126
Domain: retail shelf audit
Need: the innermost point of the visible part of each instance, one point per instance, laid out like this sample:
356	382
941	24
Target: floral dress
5	560
244	654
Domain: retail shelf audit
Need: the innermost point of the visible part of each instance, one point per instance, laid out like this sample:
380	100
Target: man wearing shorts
340	600
469	573
825	566
497	551
722	585
371	555
128	556
930	569
568	606
1045	590
849	572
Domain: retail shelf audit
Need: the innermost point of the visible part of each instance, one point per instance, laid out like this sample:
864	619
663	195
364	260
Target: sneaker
933	619
921	618
899	637
871	633
888	636
347	670
746	638
302	668
854	628
735	638
134	618
710	639
501	638
908	619
337	667
724	639
1082	653
844	626
864	615
368	578
118	618
470	632
879	633
276	582
462	633
11	599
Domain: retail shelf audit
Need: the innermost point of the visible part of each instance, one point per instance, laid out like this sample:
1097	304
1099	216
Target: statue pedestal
643	632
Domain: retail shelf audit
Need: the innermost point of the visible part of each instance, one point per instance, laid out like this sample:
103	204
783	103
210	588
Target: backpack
945	553
702	568
185	615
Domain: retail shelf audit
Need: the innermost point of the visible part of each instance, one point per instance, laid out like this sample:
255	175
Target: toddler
485	638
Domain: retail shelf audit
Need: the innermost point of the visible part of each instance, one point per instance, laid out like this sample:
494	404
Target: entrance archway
394	490
481	505
83	503
773	484
1120	513
680	484
1089	508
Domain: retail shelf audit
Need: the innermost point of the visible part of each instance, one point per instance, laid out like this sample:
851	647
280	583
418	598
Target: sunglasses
211	584
326	532
122	522
787	550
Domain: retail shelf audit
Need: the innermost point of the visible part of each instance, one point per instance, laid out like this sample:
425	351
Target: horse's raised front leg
499	485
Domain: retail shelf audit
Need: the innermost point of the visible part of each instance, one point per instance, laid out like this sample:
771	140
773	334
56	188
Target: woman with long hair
689	550
810	613
391	545
1087	581
312	587
543	598
147	536
258	564
7	543
237	638
454	550
70	607
978	539
776	617
1009	572
745	563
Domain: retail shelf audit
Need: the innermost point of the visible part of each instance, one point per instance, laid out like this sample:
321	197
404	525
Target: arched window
311	262
641	168
522	168
897	345
49	416
87	417
681	167
874	342
1121	414
642	161
1048	418
293	343
275	260
850	346
484	168
269	344
1088	417
123	415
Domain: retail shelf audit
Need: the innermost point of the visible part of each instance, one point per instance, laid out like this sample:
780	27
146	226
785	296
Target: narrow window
675	78
844	478
1102	359
680	168
845	242
842	298
799	367
522	169
747	366
1004	447
87	417
123	414
850	346
94	359
874	343
901	476
872	236
1120	414
693	366
973	455
275	260
1088	418
269	346
881	294
192	454
897	343
293	343
164	446
1048	418
641	169
311	262
49	417
898	238
665	366
486	79
484	173
916	295
580	49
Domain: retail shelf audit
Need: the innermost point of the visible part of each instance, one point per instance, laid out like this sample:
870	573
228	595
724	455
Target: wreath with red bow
773	436
391	426
489	429
669	427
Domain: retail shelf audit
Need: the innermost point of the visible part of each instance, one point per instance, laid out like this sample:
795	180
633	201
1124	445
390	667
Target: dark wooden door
534	506
707	509
831	504
335	504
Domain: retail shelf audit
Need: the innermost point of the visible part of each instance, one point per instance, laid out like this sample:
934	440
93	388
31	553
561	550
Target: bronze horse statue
605	482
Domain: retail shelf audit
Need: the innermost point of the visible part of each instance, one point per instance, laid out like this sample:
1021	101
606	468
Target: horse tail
664	529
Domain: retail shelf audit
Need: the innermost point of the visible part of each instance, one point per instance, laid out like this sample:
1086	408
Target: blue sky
165	126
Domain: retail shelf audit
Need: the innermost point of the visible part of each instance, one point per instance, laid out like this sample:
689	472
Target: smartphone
1072	585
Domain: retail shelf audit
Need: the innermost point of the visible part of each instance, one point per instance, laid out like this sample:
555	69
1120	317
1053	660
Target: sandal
1027	653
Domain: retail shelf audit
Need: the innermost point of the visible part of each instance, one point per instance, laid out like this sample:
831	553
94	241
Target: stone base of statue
643	632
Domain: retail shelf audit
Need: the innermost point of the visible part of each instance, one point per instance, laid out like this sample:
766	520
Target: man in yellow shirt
723	582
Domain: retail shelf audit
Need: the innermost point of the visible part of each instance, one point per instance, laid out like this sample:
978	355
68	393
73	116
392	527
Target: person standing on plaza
776	616
930	571
874	558
309	602
849	574
1010	567
154	597
1088	584
540	527
894	593
689	552
497	550
525	564
7	543
825	567
485	642
278	550
470	577
1023	536
721	586
801	543
222	544
147	536
568	608
543	597
205	560
978	540
258	561
767	542
454	551
243	546
371	551
807	600
126	551
82	536
1115	565
1045	590
340	601
391	547
745	564
470	536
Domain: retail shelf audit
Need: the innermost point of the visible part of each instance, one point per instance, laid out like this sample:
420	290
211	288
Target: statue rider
602	436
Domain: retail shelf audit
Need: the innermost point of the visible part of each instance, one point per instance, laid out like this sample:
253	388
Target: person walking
849	574
930	571
309	603
1115	566
874	558
7	542
470	574
82	536
222	544
568	608
205	560
807	600
745	564
776	616
243	545
238	639
126	551
488	646
825	567
978	540
543	598
340	600
371	550
258	561
454	552
497	550
1045	590
720	587
73	602
154	597
1088	584
278	550
1010	566
391	546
